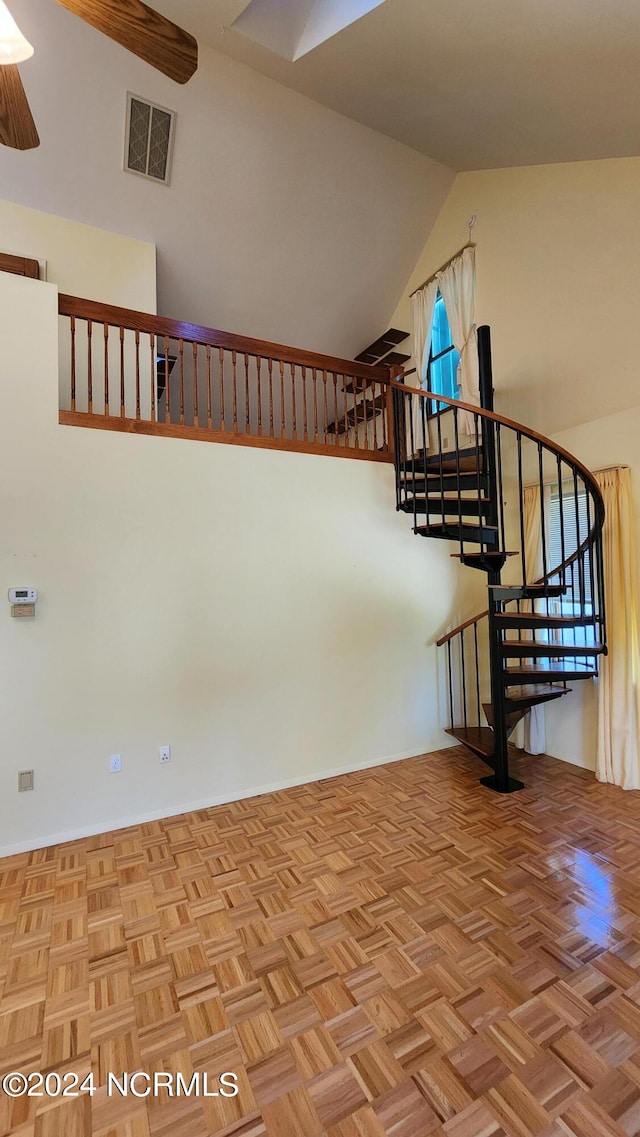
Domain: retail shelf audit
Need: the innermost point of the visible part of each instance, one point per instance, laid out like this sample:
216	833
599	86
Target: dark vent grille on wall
149	139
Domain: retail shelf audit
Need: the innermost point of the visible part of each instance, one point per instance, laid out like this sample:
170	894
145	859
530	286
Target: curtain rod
469	245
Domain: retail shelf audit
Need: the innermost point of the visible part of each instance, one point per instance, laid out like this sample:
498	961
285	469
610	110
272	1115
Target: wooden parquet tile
392	953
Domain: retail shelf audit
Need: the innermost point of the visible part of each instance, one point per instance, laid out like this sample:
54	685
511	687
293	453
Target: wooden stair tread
480	739
454	507
450	460
450	500
517	706
453	531
557	669
512	717
376	351
542	620
491	554
365	409
533	690
415	481
508	592
551	650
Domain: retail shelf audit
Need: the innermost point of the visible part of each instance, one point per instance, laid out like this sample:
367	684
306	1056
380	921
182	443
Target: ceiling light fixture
14	48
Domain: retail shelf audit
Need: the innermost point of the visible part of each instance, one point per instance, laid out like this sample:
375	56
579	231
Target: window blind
575	523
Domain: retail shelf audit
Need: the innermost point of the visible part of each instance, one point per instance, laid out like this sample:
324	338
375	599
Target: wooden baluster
315	404
154	370
122	394
167	393
375	416
106	368
196	412
181	355
73	363
283	425
270	365
305	434
247	406
346	413
89	368
324	405
335	409
235	391
356	431
259	387
221	365
209	392
294	433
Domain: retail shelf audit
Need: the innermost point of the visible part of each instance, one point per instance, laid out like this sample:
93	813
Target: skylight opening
292	28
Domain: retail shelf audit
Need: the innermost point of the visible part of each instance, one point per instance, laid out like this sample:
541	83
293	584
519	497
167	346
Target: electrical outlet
115	763
165	754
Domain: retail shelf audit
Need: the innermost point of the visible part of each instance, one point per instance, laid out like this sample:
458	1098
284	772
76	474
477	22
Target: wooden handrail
135	321
141	373
519	427
526	432
461	627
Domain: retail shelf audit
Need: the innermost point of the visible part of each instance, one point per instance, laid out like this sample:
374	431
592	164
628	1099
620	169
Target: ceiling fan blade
143	31
17	128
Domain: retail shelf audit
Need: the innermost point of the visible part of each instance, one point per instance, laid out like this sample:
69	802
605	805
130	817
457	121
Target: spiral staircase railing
528	514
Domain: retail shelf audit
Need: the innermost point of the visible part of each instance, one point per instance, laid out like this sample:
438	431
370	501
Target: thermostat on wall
23	595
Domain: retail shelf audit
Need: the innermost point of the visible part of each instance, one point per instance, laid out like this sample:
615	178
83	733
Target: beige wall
283	220
80	259
558	264
558	279
267	614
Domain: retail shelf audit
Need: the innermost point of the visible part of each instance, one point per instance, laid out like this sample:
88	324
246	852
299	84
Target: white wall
267	614
80	259
284	220
558	281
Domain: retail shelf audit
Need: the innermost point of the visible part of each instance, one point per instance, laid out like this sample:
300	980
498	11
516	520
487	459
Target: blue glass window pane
442	371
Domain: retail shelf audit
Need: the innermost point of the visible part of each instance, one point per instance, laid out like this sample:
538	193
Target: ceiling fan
130	23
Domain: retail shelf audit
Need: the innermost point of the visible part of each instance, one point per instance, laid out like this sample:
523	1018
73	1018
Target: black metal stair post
499	780
488	427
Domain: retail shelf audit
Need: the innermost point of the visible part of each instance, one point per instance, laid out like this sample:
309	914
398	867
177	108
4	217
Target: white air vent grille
149	139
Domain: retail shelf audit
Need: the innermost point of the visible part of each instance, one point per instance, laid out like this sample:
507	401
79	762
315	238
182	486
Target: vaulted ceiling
473	85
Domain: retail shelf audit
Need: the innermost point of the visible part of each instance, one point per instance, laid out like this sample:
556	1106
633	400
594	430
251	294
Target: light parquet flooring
395	952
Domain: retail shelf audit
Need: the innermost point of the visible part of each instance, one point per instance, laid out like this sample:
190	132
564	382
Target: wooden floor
397	952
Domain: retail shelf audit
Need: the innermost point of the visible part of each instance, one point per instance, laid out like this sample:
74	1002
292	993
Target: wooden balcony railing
130	371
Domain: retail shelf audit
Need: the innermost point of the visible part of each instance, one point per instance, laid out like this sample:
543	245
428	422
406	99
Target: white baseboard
64	838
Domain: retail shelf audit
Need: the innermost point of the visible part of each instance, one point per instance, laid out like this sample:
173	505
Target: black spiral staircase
514	503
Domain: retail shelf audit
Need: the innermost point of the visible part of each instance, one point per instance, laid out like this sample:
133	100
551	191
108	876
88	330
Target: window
442	373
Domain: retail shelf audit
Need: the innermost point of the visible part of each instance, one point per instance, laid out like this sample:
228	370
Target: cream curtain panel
530	734
424	303
458	287
618	752
457	283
